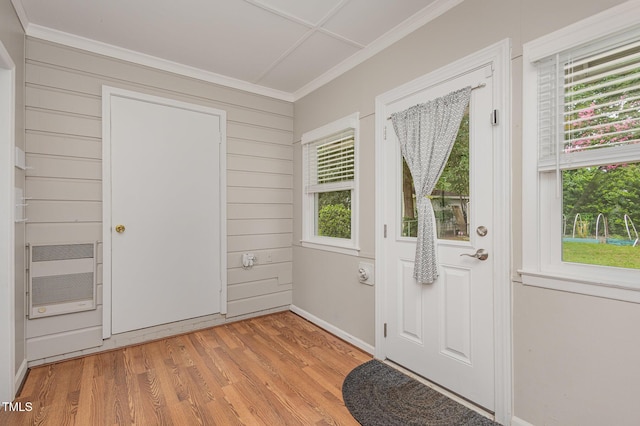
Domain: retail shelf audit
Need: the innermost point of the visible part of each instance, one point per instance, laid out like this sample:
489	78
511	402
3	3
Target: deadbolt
482	230
120	229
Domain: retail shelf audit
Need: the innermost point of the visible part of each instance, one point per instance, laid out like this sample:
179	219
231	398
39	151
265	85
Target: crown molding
101	48
22	14
429	13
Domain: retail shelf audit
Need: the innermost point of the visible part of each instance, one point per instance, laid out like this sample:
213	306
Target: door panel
165	191
411	306
455	308
444	331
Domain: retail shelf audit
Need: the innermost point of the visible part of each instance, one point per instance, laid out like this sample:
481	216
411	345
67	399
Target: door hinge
384	133
385	231
494	117
385	329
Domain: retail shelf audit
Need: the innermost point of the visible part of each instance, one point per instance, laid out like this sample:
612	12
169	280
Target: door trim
499	56
8	378
108	93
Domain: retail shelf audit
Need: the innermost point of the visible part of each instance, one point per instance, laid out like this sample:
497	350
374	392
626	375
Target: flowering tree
602	110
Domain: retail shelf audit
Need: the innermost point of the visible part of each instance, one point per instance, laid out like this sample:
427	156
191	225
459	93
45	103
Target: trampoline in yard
601	220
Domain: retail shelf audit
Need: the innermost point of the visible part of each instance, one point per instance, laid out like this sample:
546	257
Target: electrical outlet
248	260
365	273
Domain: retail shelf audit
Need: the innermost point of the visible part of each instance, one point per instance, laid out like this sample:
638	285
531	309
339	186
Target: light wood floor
273	370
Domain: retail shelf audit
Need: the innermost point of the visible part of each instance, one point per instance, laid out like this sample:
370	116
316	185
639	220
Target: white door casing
455	332
7	227
163	179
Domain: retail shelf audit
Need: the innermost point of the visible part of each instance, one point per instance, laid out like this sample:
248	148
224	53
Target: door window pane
450	198
599	206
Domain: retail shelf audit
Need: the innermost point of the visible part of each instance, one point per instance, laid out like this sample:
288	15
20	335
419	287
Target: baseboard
516	421
59	344
333	329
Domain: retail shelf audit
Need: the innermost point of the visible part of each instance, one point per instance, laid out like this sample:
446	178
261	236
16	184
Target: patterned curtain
426	133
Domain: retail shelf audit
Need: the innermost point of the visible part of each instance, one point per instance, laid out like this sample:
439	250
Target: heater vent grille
62	252
62	279
62	288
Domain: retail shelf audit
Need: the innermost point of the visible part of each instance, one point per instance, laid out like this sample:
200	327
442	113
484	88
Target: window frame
309	211
542	263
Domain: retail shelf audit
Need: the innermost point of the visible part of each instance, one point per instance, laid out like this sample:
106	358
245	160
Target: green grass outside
601	254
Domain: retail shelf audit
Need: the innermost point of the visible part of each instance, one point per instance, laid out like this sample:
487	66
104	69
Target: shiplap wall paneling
77	62
63	146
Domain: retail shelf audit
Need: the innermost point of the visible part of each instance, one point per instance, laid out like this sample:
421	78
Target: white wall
565	345
575	358
63	144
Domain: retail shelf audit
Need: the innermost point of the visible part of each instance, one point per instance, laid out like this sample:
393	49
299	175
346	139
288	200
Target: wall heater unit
62	278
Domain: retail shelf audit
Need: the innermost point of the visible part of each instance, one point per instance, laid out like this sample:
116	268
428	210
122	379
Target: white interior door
444	331
164	212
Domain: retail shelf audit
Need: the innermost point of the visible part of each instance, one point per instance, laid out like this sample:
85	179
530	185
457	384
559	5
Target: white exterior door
163	239
445	331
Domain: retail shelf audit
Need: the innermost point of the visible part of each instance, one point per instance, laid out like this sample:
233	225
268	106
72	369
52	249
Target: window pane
408	208
450	198
602	99
600	205
333	214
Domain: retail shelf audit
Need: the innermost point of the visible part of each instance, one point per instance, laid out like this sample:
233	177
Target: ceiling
281	48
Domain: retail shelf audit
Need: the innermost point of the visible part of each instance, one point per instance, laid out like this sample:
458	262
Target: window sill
607	290
326	246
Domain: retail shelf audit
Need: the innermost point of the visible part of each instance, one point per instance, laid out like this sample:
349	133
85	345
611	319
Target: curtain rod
479	86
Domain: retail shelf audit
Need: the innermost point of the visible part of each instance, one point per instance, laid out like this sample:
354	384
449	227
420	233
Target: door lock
120	229
482	230
481	254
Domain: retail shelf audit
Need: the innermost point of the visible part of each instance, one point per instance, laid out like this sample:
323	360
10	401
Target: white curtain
426	133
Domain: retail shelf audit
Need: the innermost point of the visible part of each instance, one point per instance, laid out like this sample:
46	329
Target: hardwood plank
277	369
85	381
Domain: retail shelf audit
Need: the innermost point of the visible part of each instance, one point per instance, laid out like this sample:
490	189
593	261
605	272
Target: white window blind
589	101
330	163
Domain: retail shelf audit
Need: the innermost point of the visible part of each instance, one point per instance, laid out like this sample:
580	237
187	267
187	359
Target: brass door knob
120	229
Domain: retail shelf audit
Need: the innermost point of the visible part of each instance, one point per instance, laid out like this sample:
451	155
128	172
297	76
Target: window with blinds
330	196
589	134
330	181
589	100
581	156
